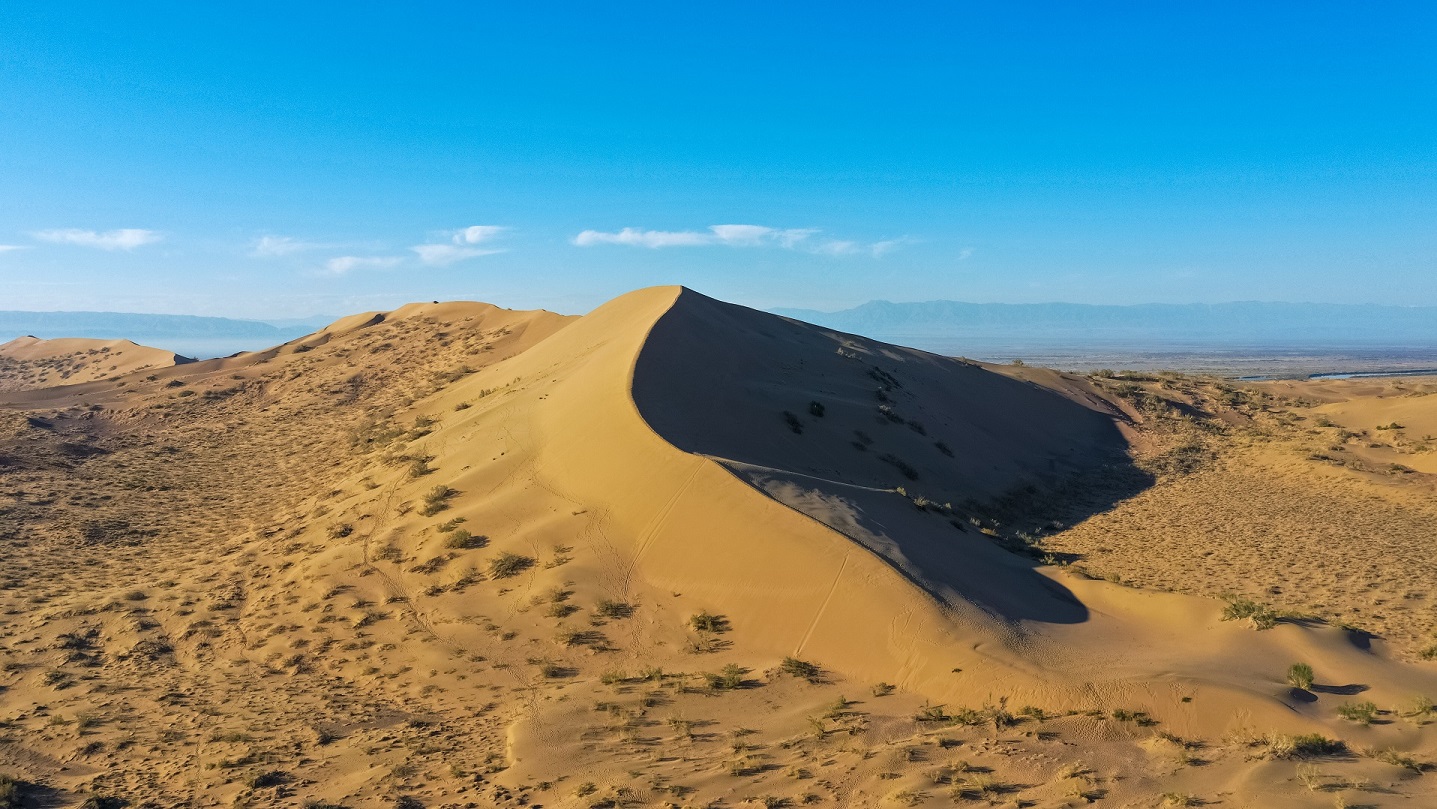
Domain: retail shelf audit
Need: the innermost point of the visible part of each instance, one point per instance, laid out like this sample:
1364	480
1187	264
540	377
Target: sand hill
29	362
681	552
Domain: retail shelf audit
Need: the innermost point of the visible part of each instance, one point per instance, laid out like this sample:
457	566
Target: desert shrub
901	465
104	802
794	667
611	608
1398	759
1302	746
929	712
1299	675
508	564
708	622
1360	712
419	467
978	786
793	422
436	500
9	793
1259	615
460	539
815	409
1421	706
883	689
728	678
1124	715
340	531
1429	653
273	778
943	448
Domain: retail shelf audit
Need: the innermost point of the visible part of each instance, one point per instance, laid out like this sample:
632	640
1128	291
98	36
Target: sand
678	551
29	362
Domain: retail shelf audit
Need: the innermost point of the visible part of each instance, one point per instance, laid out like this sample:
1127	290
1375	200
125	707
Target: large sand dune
674	550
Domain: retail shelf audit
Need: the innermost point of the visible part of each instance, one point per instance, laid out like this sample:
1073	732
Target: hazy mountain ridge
190	335
1237	323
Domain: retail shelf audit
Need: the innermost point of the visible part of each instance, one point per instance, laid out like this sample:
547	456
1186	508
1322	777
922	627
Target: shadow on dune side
907	453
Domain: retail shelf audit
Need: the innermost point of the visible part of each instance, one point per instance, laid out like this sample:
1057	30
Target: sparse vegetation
794	667
613	608
1240	608
1279	745
460	539
509	564
436	500
1362	713
1299	675
708	622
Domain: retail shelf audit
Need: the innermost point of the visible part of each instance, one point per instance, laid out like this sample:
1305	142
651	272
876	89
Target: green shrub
708	622
460	539
1300	675
1238	608
509	564
611	608
800	668
1360	712
1302	746
729	678
436	500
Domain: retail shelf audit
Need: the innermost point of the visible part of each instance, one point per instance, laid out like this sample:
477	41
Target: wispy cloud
122	239
805	239
965	254
340	265
276	246
463	244
5	248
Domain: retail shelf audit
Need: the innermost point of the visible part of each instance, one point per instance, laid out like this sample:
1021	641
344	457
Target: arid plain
677	552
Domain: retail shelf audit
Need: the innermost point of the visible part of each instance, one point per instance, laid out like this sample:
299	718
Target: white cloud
965	254
274	246
442	255
458	248
5	248
738	236
474	234
343	264
644	238
123	239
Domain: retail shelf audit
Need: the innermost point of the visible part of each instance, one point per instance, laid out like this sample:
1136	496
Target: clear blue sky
275	160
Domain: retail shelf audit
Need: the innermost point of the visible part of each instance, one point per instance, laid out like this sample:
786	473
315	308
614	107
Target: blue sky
279	160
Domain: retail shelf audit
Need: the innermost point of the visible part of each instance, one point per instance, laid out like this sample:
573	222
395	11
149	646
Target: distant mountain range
189	335
949	325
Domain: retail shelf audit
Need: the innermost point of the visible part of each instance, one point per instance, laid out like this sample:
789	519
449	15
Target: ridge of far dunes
680	552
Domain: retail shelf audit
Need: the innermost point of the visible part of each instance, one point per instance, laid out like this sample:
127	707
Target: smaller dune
27	363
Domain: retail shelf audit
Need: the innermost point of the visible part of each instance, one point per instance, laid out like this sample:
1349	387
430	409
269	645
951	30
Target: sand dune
29	362
672	551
